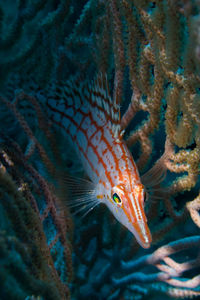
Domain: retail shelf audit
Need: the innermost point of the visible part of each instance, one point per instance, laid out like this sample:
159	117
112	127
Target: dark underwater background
45	251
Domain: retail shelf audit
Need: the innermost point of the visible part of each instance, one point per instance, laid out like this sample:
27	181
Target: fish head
127	205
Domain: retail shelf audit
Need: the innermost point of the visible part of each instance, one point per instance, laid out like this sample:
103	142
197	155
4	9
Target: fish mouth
142	234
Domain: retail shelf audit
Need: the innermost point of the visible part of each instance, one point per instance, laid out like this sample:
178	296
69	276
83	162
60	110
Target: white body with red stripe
91	120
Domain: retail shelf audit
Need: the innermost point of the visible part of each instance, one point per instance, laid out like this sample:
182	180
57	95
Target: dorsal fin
87	96
107	108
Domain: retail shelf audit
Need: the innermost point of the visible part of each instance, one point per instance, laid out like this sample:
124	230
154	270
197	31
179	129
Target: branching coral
150	53
151	42
39	225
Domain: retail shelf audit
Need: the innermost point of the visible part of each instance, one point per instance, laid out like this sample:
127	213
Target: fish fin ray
153	179
80	195
107	108
65	99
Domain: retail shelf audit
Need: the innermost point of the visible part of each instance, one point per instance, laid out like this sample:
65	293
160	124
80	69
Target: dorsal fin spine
95	97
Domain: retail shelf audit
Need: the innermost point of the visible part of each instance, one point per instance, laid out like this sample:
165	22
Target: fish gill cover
150	53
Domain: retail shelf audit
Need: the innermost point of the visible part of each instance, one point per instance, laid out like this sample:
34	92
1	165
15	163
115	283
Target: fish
90	119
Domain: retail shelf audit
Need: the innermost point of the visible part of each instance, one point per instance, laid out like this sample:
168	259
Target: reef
150	53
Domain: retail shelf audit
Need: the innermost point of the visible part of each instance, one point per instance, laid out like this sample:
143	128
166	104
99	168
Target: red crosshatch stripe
124	156
79	147
89	142
109	148
72	137
92	104
95	104
115	159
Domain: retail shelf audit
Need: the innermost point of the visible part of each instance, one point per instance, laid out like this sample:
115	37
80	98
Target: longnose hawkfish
91	120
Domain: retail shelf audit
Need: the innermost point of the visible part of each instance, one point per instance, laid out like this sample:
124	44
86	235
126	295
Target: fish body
92	122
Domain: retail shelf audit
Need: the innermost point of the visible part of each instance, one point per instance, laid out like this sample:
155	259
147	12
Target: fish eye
117	199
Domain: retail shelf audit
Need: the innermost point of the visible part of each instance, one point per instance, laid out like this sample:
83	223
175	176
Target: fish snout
142	234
